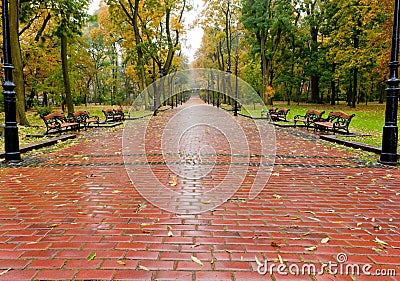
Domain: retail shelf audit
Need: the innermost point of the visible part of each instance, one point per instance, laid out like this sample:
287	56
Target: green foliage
43	110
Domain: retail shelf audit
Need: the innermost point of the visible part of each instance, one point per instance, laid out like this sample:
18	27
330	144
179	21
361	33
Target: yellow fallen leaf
196	260
325	240
280	259
116	191
91	256
143	268
277	196
377	250
5	271
174	181
379	241
121	262
312	248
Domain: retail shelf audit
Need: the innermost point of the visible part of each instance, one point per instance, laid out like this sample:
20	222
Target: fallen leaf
196	260
5	271
325	240
174	181
377	250
312	248
195	245
379	241
274	244
91	256
143	268
280	259
121	262
277	196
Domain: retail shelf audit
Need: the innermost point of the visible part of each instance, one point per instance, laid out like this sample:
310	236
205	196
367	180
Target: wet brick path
73	214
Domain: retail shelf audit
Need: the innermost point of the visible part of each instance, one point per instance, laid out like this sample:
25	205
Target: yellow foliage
270	92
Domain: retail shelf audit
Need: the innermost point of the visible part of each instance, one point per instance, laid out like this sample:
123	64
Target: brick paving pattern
73	214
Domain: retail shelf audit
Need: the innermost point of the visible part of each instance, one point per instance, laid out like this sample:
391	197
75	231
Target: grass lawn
38	127
368	121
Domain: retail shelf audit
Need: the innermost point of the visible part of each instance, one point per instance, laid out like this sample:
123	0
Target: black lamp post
390	130
236	89
11	142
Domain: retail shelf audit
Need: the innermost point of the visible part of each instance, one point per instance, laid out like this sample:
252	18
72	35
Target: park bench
279	115
83	118
57	122
309	118
113	115
267	113
337	121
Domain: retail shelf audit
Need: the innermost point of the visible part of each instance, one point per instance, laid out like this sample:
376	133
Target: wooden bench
279	115
337	121
57	122
309	118
83	118
113	115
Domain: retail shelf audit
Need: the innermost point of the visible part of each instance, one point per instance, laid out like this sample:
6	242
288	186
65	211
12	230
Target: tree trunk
16	57
67	84
333	85
355	86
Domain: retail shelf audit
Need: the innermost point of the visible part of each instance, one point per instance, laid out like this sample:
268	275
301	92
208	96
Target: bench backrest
315	112
283	111
340	114
78	113
53	116
273	109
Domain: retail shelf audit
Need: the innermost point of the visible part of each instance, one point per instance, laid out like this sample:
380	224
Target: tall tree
14	12
69	16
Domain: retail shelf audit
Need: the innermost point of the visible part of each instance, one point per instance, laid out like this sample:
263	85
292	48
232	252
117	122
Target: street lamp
390	130
11	142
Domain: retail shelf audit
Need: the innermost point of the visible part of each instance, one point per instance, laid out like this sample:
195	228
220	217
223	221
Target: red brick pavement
75	215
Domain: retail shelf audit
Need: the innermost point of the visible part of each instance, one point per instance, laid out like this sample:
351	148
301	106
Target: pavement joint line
291	165
209	154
